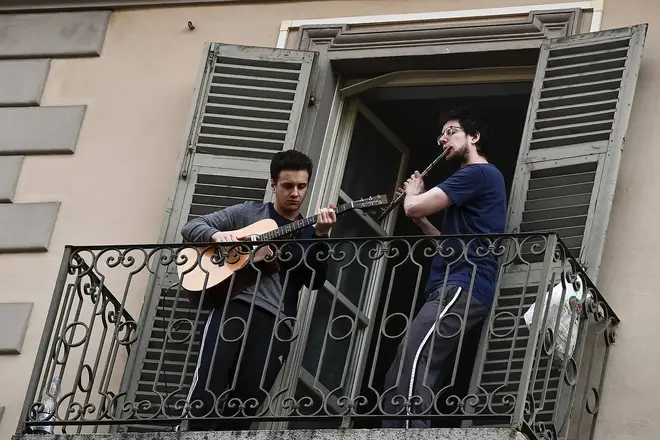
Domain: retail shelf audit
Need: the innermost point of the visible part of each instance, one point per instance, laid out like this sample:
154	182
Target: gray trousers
425	357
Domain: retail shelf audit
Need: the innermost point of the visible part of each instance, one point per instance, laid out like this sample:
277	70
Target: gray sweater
270	295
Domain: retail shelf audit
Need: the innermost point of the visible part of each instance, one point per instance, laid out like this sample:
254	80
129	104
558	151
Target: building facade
122	120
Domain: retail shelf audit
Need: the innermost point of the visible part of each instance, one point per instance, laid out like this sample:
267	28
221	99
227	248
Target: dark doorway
412	113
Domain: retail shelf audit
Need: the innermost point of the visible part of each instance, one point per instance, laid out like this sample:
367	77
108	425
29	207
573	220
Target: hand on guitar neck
325	219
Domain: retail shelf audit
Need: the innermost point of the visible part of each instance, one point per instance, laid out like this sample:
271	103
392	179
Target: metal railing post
518	416
49	327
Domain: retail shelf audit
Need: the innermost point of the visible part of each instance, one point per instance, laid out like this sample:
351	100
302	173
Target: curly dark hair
471	123
290	160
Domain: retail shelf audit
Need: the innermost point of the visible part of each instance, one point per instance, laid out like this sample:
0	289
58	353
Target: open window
409	111
557	138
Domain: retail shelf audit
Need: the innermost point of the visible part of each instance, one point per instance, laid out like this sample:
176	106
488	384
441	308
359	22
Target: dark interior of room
412	114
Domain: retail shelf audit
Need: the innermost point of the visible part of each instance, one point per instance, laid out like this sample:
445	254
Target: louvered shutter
249	106
565	180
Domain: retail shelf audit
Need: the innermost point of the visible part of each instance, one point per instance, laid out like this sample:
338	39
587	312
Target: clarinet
399	198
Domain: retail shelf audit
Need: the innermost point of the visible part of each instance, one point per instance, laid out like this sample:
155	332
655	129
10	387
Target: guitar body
194	275
234	273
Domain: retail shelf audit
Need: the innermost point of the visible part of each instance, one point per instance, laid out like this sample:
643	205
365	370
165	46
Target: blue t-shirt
479	207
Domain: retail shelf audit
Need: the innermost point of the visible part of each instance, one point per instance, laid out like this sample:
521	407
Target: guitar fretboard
292	227
303	223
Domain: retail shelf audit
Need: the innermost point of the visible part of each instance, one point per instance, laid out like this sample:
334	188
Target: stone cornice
522	32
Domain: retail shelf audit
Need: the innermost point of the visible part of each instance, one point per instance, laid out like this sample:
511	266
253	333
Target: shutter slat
248	101
255	71
556	60
511	301
589	46
237	141
573	242
581	98
235	181
172	354
258	82
265	62
558	141
226	130
150	376
573	69
239	152
244	121
538	182
584	118
559	191
253	91
554	223
581	78
230	191
200	210
567	211
564	130
157	344
496	382
251	112
552	203
568	110
222	201
586	87
169	365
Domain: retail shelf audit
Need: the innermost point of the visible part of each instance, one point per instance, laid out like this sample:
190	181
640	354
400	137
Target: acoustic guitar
228	268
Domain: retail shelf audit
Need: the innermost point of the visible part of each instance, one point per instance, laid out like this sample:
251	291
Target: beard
458	155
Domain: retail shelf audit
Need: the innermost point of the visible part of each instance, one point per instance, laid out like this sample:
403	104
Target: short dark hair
290	160
471	123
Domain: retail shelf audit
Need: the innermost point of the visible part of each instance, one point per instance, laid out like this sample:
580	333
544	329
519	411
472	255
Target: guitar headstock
365	203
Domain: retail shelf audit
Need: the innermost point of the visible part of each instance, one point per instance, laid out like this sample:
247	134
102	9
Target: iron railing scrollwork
114	372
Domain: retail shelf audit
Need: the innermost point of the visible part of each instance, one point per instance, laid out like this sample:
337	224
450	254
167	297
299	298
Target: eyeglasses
448	132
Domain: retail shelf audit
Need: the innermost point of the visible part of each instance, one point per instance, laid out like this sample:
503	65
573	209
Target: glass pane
372	166
330	350
355	266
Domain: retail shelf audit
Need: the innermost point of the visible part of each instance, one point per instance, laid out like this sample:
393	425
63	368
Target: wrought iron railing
100	370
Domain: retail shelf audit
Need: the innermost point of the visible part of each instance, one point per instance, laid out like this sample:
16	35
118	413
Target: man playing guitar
246	338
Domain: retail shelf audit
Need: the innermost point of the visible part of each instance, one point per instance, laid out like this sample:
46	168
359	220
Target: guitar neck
291	227
303	223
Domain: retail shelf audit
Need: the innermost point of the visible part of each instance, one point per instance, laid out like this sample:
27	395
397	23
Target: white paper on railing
574	291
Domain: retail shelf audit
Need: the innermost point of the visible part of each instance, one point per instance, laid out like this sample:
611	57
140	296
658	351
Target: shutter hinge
211	57
187	161
312	101
190	149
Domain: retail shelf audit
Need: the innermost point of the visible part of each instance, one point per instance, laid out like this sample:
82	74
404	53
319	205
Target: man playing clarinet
463	284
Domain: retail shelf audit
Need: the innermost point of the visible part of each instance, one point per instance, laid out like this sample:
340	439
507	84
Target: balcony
122	337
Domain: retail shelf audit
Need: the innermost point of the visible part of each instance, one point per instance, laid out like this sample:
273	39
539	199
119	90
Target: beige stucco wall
114	189
630	278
